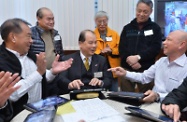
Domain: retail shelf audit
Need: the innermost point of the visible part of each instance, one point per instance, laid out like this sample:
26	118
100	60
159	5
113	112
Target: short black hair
11	25
39	12
82	35
147	2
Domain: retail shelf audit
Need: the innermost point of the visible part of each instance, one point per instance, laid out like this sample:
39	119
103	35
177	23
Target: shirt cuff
4	106
128	75
102	83
138	57
49	75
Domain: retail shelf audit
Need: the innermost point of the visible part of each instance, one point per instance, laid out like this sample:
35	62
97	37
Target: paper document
92	110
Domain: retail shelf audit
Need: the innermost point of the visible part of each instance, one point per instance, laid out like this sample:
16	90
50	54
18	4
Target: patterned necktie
86	64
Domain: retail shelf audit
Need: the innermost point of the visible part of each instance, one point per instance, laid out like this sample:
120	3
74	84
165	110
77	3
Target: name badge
108	39
57	37
148	32
98	74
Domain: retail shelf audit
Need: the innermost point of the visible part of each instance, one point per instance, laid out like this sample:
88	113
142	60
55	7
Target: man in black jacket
175	101
7	82
140	42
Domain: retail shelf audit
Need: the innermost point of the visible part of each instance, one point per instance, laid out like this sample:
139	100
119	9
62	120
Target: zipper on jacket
137	42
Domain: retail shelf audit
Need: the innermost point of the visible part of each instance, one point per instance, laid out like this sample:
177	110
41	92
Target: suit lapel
78	63
94	64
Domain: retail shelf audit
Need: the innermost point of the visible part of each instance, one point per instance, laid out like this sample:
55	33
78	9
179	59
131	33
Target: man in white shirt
16	58
168	72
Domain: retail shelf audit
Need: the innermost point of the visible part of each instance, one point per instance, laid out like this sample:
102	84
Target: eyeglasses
105	21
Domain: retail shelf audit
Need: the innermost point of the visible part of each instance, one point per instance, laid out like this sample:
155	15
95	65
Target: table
119	106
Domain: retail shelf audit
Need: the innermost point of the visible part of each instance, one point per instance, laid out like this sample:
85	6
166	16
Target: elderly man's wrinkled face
23	40
47	21
101	23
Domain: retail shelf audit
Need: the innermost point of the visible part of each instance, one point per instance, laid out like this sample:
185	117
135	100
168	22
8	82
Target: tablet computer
41	116
44	104
148	114
130	95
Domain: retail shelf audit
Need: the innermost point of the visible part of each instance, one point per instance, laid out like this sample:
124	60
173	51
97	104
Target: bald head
175	44
180	35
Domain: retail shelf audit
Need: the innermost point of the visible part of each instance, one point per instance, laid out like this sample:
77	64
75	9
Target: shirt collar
83	57
16	53
108	32
181	61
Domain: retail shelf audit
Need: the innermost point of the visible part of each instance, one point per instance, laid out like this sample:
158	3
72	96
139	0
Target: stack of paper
92	110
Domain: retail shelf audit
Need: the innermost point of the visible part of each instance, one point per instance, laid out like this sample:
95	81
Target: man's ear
12	37
38	18
151	11
182	45
80	42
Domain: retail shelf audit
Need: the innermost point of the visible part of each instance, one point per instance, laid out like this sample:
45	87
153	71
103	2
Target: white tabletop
119	106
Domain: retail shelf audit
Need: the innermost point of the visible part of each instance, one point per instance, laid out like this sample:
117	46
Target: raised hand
7	82
41	63
58	67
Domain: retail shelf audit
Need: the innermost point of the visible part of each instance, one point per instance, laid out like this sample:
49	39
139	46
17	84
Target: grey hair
12	25
147	2
39	12
101	14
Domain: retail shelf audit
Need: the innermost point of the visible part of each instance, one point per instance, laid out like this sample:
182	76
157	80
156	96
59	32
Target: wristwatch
138	57
157	98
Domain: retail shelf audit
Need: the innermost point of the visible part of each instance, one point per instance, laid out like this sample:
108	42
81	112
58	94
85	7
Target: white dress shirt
89	60
31	82
166	75
84	58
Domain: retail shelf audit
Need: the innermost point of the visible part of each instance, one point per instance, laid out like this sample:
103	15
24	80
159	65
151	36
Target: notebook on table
130	95
87	94
131	98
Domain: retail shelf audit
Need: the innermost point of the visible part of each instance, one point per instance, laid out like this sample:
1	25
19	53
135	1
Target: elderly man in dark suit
88	69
